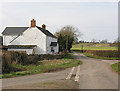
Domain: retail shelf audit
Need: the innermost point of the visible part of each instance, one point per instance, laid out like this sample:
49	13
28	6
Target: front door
52	49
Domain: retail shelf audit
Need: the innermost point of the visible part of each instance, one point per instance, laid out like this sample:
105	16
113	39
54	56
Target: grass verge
91	56
44	66
116	67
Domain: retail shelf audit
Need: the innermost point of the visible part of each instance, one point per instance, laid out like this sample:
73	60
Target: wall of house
32	36
48	42
7	39
28	51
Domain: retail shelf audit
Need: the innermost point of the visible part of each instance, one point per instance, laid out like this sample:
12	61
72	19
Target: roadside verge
116	67
44	66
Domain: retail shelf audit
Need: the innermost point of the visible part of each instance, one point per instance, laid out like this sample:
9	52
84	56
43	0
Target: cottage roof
46	32
14	30
20	30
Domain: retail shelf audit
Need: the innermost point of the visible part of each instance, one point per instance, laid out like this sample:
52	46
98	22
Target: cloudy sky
94	19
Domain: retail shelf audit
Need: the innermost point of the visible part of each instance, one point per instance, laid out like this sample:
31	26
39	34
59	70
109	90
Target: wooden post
82	48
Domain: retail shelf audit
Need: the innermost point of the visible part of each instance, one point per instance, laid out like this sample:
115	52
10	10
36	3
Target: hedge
102	53
24	59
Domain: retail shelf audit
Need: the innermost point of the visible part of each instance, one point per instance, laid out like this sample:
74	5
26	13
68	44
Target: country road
92	74
96	73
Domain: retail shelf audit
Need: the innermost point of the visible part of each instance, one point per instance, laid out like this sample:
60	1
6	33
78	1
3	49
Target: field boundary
100	54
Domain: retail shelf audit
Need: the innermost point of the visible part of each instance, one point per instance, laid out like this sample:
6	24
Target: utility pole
82	48
67	43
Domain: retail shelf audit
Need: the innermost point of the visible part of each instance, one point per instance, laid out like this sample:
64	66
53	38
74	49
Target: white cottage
33	39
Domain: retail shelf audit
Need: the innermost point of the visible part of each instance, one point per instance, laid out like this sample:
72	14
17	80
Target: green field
91	46
98	50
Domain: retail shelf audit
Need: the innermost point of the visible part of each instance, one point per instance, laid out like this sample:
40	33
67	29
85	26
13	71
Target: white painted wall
28	51
48	42
33	36
7	39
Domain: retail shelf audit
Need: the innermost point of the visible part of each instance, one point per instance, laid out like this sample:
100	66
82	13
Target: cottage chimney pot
44	26
33	23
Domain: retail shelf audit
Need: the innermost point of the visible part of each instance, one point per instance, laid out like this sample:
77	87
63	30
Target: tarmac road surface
96	73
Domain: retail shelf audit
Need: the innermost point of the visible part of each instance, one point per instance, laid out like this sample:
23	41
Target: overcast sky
98	20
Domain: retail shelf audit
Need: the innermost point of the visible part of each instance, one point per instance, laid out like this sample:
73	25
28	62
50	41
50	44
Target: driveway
92	74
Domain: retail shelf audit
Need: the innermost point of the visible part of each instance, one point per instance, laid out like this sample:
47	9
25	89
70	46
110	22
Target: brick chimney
44	26
33	23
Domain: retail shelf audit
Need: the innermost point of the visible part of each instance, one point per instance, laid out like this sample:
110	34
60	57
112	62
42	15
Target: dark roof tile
14	30
46	32
20	30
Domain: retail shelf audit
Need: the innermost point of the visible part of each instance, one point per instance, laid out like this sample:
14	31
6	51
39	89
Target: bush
5	66
33	59
14	57
6	63
45	56
9	58
24	59
17	57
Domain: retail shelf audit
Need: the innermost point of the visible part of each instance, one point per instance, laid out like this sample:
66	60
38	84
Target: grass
44	66
116	67
108	58
91	46
68	56
98	50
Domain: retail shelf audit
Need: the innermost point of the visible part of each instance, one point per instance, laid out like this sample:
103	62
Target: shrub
33	59
24	59
17	57
14	57
6	63
45	56
9	58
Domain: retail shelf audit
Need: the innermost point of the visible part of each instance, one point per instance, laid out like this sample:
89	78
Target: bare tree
66	36
69	30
